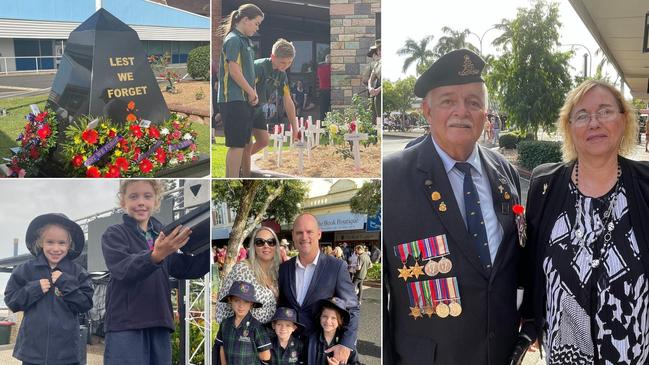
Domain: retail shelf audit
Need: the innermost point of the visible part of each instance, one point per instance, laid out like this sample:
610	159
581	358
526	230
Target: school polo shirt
293	354
243	344
236	48
268	81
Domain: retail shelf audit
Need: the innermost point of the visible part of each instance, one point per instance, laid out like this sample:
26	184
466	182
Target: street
369	329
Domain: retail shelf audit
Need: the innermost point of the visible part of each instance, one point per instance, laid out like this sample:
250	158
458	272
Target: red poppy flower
136	130
352	127
45	131
131	105
131	117
93	172
111	134
146	166
160	155
518	209
77	161
90	136
113	171
33	153
122	163
40	117
154	132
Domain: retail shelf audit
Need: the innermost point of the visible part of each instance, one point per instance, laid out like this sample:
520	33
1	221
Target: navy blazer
487	328
329	279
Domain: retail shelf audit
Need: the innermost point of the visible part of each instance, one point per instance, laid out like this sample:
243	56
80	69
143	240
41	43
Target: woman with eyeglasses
260	269
587	274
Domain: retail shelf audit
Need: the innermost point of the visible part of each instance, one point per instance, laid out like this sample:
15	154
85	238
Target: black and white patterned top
606	305
242	271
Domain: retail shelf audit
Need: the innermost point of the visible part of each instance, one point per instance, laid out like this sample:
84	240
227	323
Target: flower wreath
37	139
100	148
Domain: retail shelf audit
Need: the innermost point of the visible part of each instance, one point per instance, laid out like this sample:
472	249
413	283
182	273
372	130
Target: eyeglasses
271	242
603	115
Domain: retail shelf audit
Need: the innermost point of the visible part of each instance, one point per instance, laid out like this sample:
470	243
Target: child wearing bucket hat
242	338
140	258
51	290
332	315
287	349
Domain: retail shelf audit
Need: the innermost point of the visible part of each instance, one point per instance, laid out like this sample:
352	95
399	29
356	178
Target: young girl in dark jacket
140	259
332	316
51	290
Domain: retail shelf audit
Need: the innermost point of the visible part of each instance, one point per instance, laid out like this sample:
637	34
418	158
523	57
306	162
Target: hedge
198	63
534	153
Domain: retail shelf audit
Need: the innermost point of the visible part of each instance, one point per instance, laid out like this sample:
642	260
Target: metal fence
27	64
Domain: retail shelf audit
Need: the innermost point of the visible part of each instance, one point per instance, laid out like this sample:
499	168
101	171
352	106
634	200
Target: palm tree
504	40
416	52
453	40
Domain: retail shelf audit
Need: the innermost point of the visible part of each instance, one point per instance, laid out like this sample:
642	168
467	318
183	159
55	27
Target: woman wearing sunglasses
260	269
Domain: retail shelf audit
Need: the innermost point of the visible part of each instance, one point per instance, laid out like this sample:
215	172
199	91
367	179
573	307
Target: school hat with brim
242	290
76	233
458	67
337	304
287	314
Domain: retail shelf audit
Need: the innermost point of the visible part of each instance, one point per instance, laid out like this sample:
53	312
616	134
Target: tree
398	96
454	39
368	199
416	52
530	80
254	201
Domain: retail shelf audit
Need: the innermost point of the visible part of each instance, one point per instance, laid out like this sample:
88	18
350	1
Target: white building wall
7	50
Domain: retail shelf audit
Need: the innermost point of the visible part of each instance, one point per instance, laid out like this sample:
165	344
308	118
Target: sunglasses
259	242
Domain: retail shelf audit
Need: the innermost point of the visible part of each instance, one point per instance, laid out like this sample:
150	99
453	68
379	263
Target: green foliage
530	80
374	272
508	141
534	153
198	63
452	40
368	198
284	208
337	125
417	53
398	96
196	337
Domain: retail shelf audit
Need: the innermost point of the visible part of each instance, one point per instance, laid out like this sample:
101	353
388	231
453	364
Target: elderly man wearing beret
451	240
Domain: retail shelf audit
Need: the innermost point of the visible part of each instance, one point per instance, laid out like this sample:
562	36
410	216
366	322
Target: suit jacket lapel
435	179
319	269
291	279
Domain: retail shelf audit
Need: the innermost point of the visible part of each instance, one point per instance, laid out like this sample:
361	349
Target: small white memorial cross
300	145
316	131
278	139
355	138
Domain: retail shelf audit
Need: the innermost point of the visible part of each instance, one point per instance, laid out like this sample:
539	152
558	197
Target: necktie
474	220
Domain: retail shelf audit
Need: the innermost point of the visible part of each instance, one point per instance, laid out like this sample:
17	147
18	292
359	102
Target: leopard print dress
242	272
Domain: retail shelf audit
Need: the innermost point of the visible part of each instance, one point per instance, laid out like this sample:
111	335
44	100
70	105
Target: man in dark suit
310	277
450	236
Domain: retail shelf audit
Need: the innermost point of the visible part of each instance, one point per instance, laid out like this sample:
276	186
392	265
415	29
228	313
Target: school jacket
49	332
138	294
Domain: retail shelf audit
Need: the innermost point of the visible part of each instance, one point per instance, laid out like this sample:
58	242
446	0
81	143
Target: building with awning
621	29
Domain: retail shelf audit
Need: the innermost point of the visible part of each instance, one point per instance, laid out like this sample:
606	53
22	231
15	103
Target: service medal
445	265
431	268
435	196
455	309
416	270
442	310
442	207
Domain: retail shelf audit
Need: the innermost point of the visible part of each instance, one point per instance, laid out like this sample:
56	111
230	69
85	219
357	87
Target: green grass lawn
12	124
218	155
17	108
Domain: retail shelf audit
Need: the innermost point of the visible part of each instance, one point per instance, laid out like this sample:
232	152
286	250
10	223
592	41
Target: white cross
300	146
355	138
289	134
306	136
266	147
278	139
316	131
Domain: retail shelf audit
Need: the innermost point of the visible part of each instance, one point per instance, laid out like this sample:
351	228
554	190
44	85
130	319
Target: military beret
458	67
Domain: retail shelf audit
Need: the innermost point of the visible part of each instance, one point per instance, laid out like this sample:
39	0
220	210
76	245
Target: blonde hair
574	97
338	252
283	49
249	11
268	279
157	185
39	240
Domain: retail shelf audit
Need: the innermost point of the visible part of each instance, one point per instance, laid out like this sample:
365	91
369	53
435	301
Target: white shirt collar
314	263
449	162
